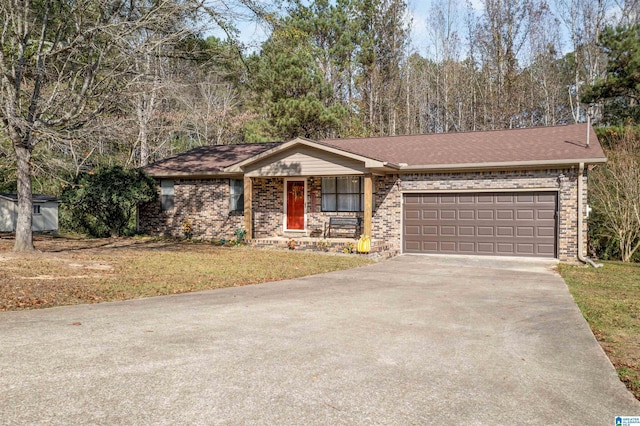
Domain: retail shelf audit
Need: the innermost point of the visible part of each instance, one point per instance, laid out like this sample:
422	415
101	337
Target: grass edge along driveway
609	299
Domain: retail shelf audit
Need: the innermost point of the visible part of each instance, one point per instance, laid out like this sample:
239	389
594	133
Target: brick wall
204	201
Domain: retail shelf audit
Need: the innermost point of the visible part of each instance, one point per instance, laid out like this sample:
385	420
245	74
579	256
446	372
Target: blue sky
252	34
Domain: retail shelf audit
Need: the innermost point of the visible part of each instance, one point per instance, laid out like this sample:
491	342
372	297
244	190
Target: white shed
45	212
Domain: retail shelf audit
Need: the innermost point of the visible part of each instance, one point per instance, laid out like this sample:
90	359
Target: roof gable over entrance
303	160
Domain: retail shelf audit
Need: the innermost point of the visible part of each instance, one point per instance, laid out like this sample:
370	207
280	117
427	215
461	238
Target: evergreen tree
619	90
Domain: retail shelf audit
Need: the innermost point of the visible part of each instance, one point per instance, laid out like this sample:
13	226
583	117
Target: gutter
504	164
581	258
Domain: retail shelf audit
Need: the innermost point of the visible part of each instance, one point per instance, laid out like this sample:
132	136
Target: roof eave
193	175
503	164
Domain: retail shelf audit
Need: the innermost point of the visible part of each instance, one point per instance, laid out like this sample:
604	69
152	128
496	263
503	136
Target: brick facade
206	203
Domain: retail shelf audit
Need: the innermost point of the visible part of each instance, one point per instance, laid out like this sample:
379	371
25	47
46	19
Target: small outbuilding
45	212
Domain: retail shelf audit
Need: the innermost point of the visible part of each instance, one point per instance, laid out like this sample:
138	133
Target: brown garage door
500	223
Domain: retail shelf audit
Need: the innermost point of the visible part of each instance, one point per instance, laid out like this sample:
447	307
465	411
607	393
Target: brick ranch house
507	193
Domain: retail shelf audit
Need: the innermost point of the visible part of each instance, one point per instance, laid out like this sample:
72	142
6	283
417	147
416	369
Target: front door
295	205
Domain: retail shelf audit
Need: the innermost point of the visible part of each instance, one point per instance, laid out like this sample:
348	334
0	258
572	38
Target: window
36	209
342	194
166	193
236	191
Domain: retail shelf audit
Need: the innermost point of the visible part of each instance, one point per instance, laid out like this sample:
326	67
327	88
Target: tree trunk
24	231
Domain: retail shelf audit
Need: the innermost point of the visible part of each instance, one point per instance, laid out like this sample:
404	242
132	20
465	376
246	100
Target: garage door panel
448	231
430	230
504	199
525	198
429	214
412	230
526	248
485	214
525	231
525	214
504	231
447	214
507	224
546	249
466	247
485	248
485	231
466	231
505	248
549	198
504	214
411	214
466	214
430	247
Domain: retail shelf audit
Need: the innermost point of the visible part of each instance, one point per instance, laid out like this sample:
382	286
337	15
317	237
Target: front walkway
412	340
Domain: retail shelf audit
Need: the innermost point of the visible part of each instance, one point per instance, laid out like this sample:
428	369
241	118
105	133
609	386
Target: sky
252	34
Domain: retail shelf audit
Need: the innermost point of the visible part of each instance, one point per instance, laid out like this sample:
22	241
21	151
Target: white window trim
284	196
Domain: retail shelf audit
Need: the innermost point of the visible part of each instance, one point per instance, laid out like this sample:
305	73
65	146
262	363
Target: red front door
295	204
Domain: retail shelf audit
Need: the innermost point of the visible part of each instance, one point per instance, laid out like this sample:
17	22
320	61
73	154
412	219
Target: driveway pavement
413	340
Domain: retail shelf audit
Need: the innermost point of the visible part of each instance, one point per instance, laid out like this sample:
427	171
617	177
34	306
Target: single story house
45	212
509	192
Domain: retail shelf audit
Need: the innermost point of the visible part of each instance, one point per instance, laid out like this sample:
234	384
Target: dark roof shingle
536	145
206	160
500	146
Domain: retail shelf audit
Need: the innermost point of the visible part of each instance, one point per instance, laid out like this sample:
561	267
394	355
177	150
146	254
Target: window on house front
342	194
236	194
166	194
36	209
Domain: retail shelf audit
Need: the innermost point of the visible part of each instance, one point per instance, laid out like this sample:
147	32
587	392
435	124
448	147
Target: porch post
368	205
248	208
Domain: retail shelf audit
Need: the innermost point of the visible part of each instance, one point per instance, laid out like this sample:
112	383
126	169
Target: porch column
368	205
248	208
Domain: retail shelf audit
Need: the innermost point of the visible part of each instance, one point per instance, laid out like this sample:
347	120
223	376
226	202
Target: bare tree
615	191
64	63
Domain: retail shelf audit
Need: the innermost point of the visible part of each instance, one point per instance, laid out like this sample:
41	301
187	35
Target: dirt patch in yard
67	271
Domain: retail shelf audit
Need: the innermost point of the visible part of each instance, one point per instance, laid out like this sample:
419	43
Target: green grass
72	271
609	298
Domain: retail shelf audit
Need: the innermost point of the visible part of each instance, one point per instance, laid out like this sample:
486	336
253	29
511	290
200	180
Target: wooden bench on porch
342	223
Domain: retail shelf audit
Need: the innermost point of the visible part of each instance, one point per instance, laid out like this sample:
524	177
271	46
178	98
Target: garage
482	223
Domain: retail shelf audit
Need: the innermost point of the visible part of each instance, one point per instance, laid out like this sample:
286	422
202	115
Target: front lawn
609	298
73	271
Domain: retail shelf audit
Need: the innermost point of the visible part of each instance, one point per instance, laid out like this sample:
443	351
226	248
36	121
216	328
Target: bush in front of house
103	203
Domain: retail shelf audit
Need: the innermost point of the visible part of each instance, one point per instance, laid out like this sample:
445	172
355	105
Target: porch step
332	245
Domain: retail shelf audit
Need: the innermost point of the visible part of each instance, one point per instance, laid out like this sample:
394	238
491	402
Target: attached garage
481	223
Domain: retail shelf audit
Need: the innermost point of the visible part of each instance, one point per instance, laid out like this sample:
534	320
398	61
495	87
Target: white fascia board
505	164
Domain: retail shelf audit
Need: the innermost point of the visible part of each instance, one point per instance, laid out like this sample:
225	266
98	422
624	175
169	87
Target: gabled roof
536	146
531	146
206	160
367	160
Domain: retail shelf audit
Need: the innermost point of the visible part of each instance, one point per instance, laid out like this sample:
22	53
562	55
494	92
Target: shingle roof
206	160
540	144
38	198
536	145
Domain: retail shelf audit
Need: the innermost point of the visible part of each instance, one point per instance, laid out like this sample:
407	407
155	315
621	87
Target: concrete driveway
413	340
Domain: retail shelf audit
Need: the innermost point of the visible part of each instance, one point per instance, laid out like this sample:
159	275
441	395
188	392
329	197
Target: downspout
582	258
